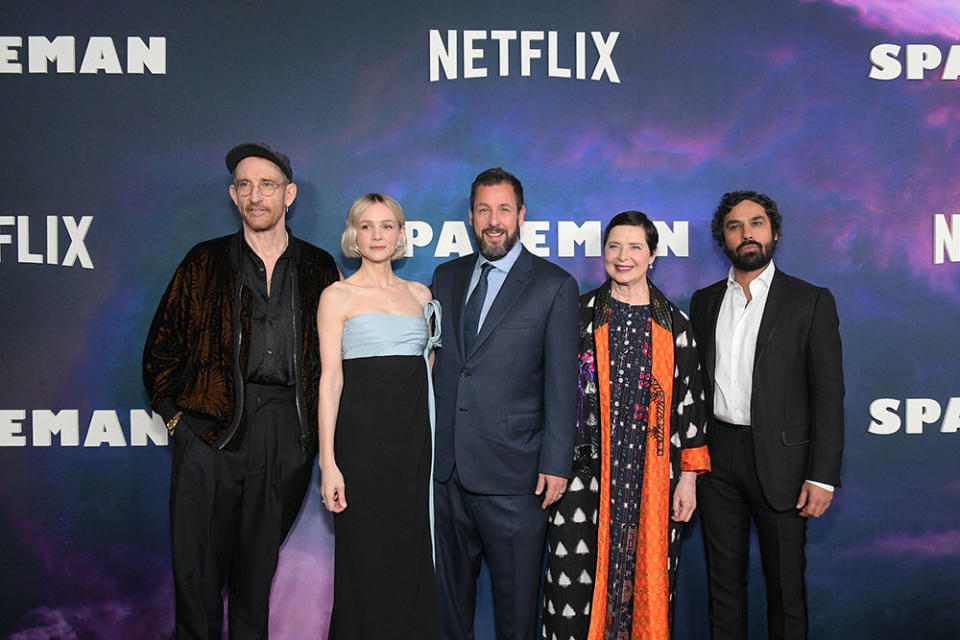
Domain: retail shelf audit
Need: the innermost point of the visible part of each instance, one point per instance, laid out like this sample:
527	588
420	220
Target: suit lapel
513	285
772	312
714	300
459	289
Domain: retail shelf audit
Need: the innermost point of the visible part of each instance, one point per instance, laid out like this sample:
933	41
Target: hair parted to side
732	199
634	219
495	176
348	241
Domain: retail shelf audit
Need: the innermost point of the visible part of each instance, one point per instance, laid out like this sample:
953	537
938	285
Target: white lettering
77	249
673	240
951	68
581	55
504	38
951	417
454	238
419	234
104	429
23	243
532	236
946	238
471	53
553	69
919	58
886	66
144	425
920	411
65	422
443	54
9	54
5	221
53	240
527	51
569	235
605	49
152	57
100	56
885	420
61	50
11	428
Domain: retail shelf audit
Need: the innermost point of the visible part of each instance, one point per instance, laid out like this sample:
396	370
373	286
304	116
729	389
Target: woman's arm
330	317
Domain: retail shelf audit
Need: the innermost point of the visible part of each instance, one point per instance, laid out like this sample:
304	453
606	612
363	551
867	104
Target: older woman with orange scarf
615	535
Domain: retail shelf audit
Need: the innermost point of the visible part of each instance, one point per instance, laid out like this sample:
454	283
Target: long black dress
384	579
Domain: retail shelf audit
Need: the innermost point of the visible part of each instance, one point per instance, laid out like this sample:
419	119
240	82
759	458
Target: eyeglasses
266	188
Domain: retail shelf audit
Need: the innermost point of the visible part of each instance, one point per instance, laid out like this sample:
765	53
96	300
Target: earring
650	266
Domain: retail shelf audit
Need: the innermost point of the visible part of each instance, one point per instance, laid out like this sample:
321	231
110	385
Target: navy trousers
509	531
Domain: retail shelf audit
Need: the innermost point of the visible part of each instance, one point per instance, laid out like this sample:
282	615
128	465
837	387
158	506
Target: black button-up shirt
271	340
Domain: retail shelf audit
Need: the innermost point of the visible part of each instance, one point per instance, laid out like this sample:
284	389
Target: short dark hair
494	176
634	219
732	199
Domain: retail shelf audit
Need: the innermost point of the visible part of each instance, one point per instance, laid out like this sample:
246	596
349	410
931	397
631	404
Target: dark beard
495	253
751	261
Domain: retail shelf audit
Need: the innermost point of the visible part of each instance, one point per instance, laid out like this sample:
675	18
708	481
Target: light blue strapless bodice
386	334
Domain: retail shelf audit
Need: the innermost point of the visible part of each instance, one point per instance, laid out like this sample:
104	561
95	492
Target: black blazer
507	411
796	408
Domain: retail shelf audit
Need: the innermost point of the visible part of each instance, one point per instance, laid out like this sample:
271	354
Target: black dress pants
509	531
727	498
230	511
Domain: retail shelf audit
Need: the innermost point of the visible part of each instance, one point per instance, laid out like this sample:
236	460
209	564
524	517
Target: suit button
464	374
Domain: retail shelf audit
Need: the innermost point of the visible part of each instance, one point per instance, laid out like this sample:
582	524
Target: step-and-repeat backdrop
116	118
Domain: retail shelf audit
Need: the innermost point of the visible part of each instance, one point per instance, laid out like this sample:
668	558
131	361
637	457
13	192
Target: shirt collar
765	277
503	264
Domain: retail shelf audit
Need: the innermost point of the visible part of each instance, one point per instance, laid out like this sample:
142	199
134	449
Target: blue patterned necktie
471	317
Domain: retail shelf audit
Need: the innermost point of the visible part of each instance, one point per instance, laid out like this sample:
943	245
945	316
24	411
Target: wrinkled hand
332	489
685	497
552	488
814	500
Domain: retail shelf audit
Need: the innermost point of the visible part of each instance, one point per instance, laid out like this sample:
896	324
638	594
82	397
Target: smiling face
627	256
496	219
261	213
748	237
379	233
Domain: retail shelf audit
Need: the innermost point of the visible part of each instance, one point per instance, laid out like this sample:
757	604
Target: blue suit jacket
507	411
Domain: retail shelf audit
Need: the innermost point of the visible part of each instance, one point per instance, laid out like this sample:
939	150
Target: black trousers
230	511
728	498
509	531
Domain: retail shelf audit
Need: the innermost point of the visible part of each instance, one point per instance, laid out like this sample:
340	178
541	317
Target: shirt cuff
828	487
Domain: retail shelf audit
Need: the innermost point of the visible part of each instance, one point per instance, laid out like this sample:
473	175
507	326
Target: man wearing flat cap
232	364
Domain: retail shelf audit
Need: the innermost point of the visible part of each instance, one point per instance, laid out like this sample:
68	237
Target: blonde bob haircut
348	241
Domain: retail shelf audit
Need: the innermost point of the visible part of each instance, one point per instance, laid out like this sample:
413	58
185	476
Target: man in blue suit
506	387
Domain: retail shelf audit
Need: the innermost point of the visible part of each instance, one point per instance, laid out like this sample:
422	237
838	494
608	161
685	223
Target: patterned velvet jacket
197	349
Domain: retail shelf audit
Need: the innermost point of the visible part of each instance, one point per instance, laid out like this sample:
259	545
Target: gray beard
495	253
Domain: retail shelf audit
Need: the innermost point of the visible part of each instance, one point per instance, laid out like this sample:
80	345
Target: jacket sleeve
690	406
560	382
164	354
825	384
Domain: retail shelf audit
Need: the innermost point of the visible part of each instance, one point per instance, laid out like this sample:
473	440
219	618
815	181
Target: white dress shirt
736	341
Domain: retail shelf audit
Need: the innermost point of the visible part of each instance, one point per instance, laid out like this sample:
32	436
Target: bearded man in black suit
770	348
